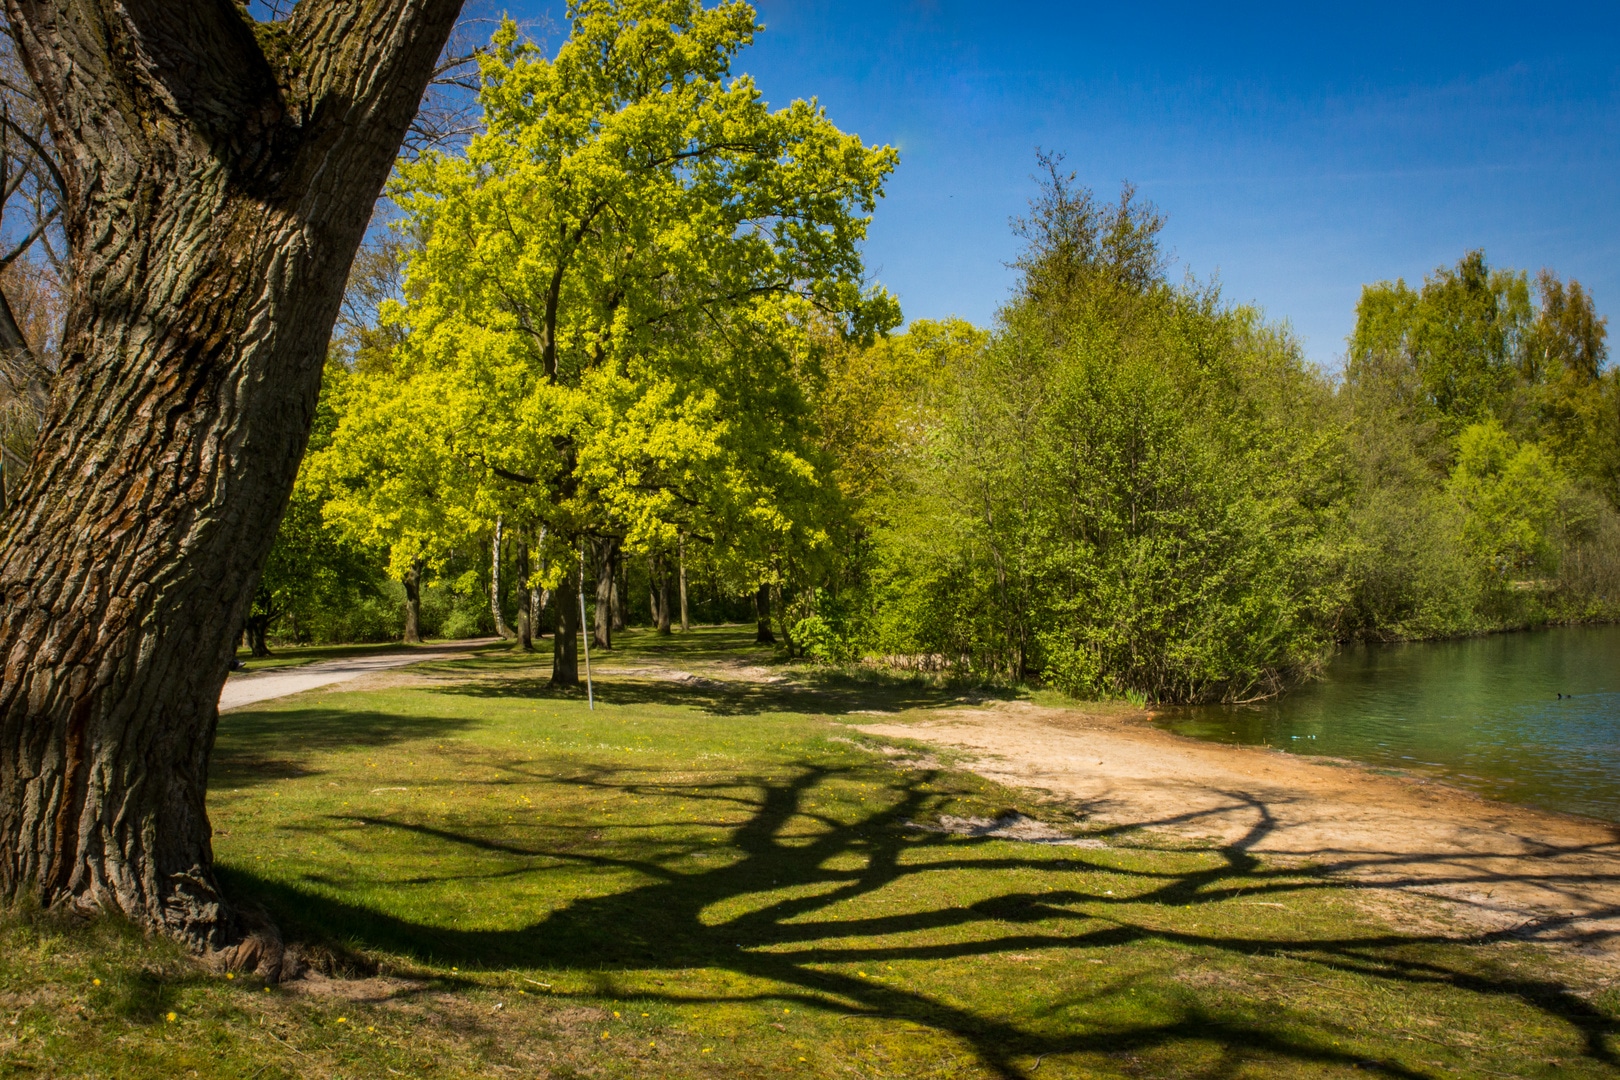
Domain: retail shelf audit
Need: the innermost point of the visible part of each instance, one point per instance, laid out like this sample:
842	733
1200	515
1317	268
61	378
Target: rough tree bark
220	176
413	604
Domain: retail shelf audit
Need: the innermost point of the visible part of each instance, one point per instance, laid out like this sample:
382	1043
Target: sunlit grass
721	880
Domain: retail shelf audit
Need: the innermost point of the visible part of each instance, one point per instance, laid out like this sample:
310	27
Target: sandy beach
1498	867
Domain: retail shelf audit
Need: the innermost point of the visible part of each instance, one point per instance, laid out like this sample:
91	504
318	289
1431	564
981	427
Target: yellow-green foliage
607	297
1510	494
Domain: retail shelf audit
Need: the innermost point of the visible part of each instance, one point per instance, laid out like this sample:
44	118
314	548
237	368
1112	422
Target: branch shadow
806	692
735	917
260	746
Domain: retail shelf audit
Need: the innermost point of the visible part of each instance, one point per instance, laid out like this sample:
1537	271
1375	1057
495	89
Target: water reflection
1484	713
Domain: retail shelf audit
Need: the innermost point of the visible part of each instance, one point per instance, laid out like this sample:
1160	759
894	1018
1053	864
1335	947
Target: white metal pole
585	633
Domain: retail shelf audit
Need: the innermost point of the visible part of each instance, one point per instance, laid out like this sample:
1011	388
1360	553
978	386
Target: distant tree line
1128	487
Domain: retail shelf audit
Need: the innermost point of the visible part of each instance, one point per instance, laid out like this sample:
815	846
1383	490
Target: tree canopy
607	302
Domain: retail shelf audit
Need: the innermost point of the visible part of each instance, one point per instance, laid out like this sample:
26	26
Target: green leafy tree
1462	335
607	305
1483	436
1128	489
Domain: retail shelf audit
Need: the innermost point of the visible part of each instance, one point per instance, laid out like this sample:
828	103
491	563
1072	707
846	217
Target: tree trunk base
259	951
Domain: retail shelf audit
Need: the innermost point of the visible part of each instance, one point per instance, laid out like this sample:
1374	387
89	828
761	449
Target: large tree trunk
216	198
413	604
565	640
496	607
607	554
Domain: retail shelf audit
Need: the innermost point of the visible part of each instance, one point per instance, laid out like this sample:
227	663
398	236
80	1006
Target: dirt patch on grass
373	990
1499	868
1008	826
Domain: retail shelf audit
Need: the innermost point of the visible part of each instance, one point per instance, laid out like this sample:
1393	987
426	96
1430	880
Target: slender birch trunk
538	594
496	608
525	619
686	624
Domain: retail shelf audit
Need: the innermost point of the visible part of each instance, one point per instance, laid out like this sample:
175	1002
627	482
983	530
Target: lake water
1482	713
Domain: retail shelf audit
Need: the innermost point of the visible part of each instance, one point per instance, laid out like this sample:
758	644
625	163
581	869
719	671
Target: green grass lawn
721	879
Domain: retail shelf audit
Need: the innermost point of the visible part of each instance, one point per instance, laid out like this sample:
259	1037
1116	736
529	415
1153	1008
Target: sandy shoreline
1497	866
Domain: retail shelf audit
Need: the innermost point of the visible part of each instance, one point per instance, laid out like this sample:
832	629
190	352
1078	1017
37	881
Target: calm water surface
1482	713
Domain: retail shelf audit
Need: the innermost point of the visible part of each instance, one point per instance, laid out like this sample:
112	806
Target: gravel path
254	687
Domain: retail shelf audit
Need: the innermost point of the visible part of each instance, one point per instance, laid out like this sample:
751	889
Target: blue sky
1297	153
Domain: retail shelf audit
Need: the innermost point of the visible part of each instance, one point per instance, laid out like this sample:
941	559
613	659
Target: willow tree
220	173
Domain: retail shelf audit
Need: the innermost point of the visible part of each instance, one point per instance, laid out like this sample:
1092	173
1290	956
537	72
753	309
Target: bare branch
28	241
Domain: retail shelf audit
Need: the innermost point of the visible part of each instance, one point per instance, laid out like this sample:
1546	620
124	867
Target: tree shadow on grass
262	746
734	917
809	693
